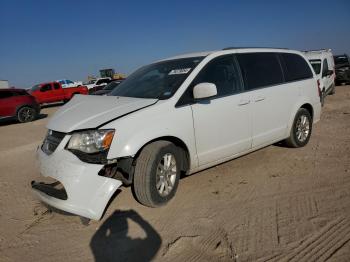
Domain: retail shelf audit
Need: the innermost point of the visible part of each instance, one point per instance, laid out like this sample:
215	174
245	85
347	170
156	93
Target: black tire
293	140
145	175
26	114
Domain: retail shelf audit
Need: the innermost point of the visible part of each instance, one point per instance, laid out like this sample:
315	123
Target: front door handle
260	98
243	102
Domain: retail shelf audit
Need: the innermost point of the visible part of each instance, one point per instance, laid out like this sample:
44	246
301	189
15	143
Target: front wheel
26	114
157	173
301	130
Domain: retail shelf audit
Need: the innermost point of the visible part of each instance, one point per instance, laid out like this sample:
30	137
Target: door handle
243	102
260	98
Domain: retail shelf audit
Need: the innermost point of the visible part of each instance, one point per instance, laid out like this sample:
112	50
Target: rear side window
5	94
296	68
260	69
56	85
46	87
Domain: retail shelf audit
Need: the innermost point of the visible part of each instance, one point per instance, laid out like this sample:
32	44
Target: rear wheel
157	173
26	114
301	130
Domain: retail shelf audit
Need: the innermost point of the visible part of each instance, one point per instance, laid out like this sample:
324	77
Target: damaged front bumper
84	192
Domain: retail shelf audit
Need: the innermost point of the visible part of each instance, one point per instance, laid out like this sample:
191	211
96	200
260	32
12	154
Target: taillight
319	88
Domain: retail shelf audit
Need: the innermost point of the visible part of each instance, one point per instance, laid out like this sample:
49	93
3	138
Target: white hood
84	111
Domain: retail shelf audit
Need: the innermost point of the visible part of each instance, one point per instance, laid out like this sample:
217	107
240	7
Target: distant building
4	84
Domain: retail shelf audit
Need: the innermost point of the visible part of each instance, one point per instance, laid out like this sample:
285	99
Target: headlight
91	141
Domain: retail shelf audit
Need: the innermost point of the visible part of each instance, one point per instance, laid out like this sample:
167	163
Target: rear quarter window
260	69
295	67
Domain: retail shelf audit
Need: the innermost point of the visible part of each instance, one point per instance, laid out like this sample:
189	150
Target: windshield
159	80
341	60
36	87
316	64
111	86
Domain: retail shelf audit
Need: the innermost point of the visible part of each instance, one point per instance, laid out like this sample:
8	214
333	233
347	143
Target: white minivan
322	62
176	116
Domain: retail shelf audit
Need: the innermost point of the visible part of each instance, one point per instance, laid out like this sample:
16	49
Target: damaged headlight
91	141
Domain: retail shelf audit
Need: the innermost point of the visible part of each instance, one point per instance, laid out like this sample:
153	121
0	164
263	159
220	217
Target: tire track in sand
321	245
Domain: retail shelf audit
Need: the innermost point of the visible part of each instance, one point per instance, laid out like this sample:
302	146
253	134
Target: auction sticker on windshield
179	71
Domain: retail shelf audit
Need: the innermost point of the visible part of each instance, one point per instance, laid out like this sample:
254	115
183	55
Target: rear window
5	94
260	69
296	67
316	65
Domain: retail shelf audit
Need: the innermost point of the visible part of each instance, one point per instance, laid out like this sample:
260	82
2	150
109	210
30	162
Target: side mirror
204	90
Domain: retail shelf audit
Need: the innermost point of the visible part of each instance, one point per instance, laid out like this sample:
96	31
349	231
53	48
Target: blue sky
48	40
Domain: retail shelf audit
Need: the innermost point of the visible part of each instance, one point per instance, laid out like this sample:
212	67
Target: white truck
98	82
66	83
4	84
322	62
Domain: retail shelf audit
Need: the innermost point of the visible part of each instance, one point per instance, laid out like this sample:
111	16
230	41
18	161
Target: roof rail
250	47
319	50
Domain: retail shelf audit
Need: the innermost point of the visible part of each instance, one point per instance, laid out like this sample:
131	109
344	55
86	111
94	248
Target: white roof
318	54
231	51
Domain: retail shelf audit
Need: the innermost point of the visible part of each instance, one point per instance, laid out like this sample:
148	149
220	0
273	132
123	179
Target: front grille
52	140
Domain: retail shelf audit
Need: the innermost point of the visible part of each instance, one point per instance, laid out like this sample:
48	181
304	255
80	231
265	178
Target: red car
18	104
53	92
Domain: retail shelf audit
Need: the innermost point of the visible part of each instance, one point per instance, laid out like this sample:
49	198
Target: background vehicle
94	84
342	69
66	83
4	84
110	72
323	64
18	104
176	116
53	92
107	89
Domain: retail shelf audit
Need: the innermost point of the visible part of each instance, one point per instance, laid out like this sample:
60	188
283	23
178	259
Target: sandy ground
275	204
